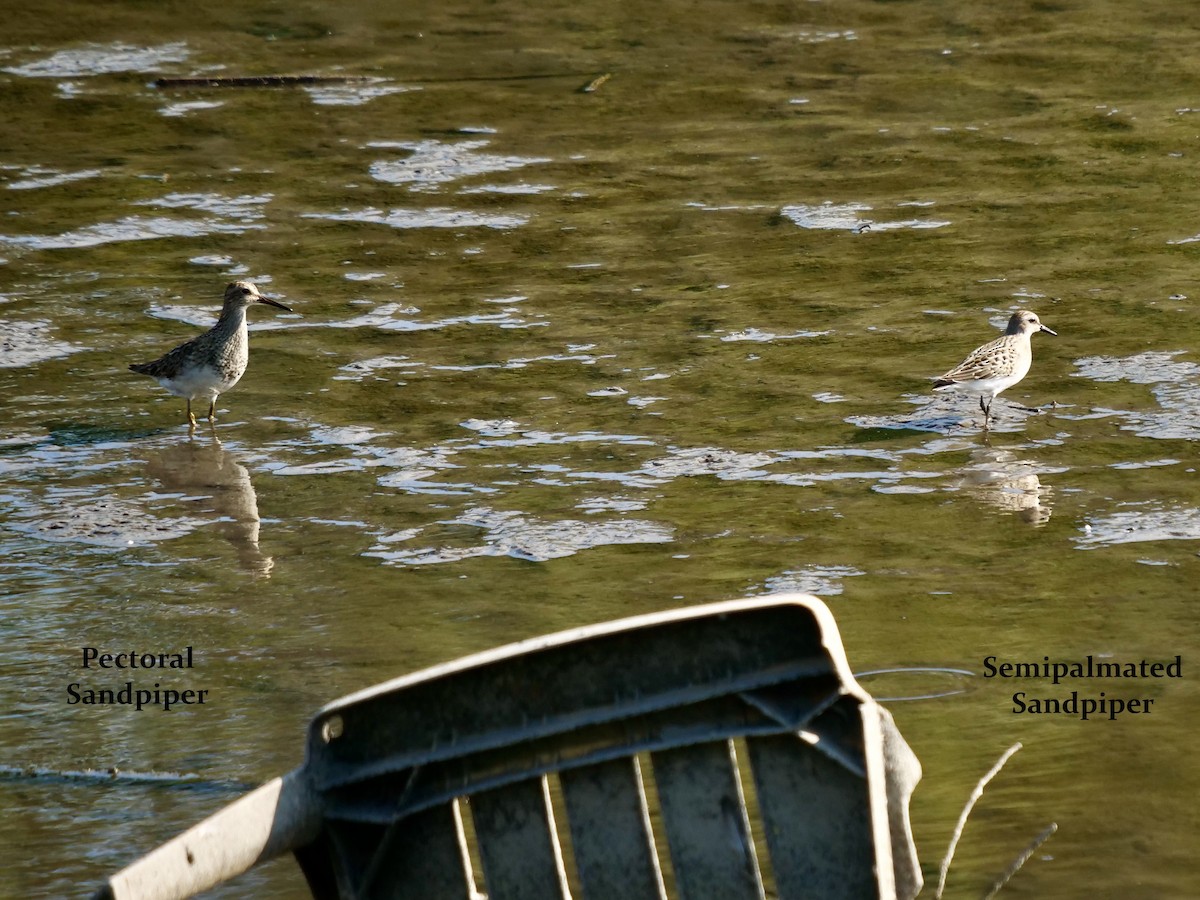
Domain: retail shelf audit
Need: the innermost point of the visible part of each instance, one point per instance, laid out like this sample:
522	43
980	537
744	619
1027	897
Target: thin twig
962	819
259	80
169	780
1015	865
254	81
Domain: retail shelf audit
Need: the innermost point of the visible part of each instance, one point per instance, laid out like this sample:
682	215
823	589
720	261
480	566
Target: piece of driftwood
1023	857
259	81
722	751
244	81
595	84
944	869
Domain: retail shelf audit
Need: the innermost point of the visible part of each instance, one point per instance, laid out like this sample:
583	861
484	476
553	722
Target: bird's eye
245	290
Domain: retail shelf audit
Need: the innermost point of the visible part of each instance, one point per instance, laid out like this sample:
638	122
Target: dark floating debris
241	81
174	780
260	81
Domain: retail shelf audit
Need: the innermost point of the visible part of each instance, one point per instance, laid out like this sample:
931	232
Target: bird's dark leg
191	416
987	411
212	410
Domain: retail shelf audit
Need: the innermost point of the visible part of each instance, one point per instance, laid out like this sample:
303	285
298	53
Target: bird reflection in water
1006	483
217	486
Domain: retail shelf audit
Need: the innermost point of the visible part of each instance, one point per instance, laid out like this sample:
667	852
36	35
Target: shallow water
559	357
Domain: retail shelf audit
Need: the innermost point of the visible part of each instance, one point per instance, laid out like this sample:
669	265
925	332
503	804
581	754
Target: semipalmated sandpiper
997	365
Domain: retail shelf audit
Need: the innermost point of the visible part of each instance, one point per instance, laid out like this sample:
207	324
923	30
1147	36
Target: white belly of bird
200	383
990	387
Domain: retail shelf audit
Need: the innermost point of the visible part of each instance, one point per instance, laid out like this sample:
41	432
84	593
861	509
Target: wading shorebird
998	365
209	365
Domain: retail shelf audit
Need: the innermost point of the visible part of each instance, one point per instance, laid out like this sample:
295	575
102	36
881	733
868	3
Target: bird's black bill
1044	328
276	303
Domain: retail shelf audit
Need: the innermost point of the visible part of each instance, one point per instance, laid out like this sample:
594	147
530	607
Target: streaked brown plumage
997	365
209	365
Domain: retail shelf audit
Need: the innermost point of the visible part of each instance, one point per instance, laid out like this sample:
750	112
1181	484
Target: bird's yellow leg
191	416
212	410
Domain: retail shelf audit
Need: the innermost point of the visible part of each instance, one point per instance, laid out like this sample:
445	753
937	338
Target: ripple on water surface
846	217
433	217
355	93
113	494
225	215
499	533
102	59
99	522
25	343
1176	387
1133	523
825	581
34	177
434	163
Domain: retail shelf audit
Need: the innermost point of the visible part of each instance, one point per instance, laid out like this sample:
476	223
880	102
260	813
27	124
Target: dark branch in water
1021	859
115	776
237	81
259	81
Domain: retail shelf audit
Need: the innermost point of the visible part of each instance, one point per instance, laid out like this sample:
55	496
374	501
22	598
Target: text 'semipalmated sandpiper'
212	363
998	365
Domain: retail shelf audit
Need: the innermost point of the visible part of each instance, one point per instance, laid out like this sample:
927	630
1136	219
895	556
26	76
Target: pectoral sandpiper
998	365
212	363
